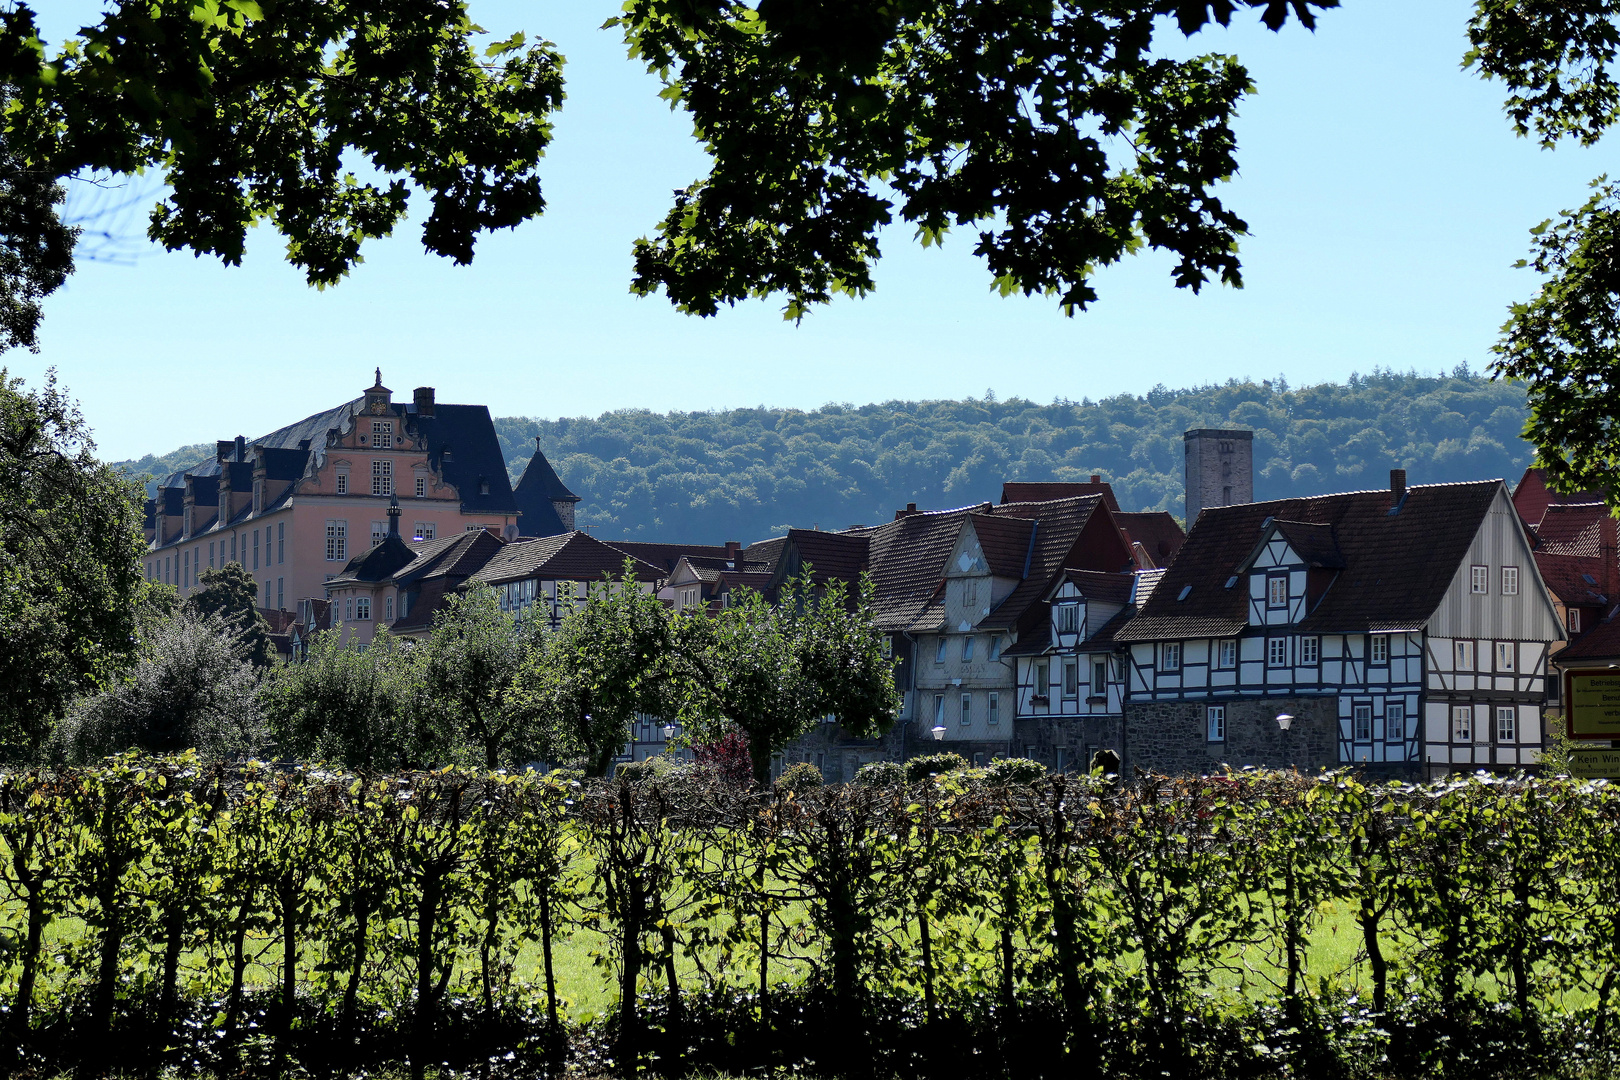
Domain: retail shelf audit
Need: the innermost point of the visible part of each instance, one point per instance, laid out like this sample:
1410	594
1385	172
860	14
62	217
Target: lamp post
938	732
1285	721
669	732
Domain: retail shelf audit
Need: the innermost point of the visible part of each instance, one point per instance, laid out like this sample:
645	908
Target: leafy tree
36	249
609	660
255	112
774	671
1053	130
363	708
192	686
1555	58
70	578
470	661
230	594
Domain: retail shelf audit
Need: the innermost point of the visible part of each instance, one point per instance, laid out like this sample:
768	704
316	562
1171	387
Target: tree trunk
288	888
351	991
545	950
671	982
759	755
174	925
630	977
233	1000
24	1000
426	913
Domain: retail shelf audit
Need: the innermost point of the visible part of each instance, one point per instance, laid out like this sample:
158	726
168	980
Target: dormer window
483	487
1068	618
1277	591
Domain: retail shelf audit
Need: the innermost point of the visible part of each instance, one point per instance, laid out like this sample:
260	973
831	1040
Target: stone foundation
1171	737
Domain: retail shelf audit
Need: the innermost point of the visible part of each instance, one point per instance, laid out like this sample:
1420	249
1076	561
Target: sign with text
1594	764
1592	703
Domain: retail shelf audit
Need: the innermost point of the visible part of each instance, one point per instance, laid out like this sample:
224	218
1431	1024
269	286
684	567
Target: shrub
921	768
1013	770
881	774
728	757
799	776
652	769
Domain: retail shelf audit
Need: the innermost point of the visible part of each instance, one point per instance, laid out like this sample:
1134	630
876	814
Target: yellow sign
1595	764
1592	703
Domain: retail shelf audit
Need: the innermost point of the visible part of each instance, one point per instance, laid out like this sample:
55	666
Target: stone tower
1220	469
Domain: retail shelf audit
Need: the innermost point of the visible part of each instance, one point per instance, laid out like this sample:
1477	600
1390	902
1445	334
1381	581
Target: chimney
911	508
734	553
1397	486
241	448
424	401
1096	478
222	450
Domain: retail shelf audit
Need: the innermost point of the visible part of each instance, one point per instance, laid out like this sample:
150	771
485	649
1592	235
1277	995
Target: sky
1386	195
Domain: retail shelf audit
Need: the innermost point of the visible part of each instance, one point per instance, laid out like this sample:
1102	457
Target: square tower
1220	469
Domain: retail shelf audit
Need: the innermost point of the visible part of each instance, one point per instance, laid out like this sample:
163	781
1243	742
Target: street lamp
1284	721
938	732
669	732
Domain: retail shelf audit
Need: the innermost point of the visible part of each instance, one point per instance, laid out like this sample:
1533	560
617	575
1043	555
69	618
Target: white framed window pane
1362	723
967	709
1308	650
1465	655
967	647
1394	723
1380	649
1479	579
1277	652
1510	581
1071	678
1462	724
993	714
1215	717
939	650
1099	677
1172	656
1277	592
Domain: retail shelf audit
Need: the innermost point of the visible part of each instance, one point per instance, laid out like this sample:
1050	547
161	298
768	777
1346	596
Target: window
233	547
379	530
1462	724
348	609
362	608
185	568
421	487
281	542
1507	724
266	601
1276	652
939	710
382	433
1171	652
1380	648
281	595
1226	654
256	549
1480	579
343	481
337	542
1361	723
1068	618
970	591
1043	675
967	709
422	530
210	554
1310	650
382	477
1071	678
1510	581
994	713
1395	722
1504	656
967	647
483	487
472	528
1572	620
1215	723
1277	591
995	646
1099	678
1465	656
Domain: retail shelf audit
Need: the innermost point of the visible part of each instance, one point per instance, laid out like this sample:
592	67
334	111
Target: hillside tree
230	594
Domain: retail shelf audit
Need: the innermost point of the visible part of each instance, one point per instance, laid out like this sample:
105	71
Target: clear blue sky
1386	195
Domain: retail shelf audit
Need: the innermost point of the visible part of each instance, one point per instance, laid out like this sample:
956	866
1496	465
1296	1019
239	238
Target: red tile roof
575	556
1016	491
1160	535
1602	642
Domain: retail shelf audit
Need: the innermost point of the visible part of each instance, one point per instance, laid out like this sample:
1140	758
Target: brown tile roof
1398	566
1102	587
1160	535
830	555
1573	529
424	606
1602	642
1013	491
1006	543
666	555
1315	544
575	556
1577	582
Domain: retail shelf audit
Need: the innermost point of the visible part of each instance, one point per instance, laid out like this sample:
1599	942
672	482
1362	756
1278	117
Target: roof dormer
379	399
1289	570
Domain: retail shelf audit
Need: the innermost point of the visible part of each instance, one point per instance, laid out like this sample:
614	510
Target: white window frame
1310	651
1276	652
1042	679
337	541
343	481
1505	658
1068	621
379	532
362	609
939	649
1572	620
1395	721
967	648
995	646
1379	653
421	487
382	476
1099	676
1215	723
1275	597
1361	723
1170	656
1479	579
1507	724
1071	678
382	434
1462	724
1463	656
966	704
993	715
1226	654
388	605
1510	581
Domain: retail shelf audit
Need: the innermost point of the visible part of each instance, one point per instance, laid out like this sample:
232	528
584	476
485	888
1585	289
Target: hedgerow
253	918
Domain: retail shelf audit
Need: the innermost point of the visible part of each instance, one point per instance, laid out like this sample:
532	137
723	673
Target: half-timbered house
1406	631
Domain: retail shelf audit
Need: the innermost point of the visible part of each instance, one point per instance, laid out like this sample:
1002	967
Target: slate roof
1006	543
1101	587
1015	491
535	493
377	563
1397	566
1313	543
574	556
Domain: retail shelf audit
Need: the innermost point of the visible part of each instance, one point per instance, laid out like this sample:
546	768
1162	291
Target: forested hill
743	473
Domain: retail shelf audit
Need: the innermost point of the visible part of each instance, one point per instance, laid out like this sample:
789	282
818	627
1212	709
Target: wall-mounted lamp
1285	721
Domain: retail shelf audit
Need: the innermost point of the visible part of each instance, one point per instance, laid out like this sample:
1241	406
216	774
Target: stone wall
1219	469
1067	742
1170	736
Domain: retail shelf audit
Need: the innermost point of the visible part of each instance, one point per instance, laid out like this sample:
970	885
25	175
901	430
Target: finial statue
379	378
